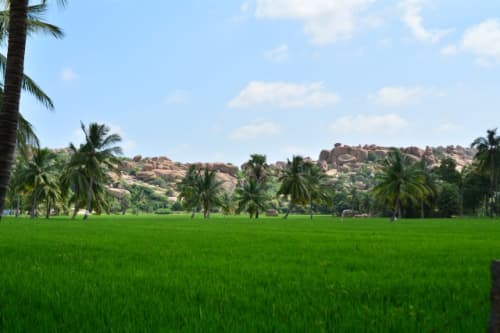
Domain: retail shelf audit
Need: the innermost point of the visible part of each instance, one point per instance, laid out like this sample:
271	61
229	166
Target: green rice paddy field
170	273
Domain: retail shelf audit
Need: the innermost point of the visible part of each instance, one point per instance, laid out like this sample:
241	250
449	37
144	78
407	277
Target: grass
157	273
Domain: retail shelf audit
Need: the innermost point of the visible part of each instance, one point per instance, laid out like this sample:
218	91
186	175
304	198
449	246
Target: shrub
163	211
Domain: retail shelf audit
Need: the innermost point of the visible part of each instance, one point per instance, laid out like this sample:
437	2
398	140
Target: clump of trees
56	182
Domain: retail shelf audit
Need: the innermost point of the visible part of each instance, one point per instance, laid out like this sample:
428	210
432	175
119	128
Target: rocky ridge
161	173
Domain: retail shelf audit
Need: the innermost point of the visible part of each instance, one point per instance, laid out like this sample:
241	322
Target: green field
170	273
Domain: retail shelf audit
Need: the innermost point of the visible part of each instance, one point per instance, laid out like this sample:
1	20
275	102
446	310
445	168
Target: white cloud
255	130
177	97
68	74
372	124
326	21
482	40
412	17
401	96
284	95
277	55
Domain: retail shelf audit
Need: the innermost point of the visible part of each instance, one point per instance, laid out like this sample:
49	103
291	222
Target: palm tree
488	157
227	204
18	19
294	183
209	190
252	197
74	180
256	167
96	157
400	182
39	177
188	192
318	189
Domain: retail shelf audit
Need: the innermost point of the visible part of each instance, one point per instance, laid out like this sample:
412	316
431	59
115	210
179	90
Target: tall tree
209	190
294	185
39	177
251	197
318	190
400	182
188	192
488	157
97	156
9	110
256	167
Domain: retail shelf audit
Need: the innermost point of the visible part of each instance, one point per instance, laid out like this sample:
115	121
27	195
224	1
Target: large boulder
360	154
170	175
118	193
148	167
415	151
346	158
324	156
146	175
137	158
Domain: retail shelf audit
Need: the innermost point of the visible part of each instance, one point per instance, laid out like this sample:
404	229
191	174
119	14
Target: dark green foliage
448	202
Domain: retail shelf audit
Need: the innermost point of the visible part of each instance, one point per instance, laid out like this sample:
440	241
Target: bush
163	211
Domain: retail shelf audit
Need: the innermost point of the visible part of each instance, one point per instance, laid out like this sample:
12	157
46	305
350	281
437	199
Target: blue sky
219	80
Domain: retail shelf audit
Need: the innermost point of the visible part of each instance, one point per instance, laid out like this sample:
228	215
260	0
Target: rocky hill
161	174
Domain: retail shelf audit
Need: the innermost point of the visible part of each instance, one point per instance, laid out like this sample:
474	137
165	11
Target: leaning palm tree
488	157
252	197
17	29
294	183
97	156
400	182
38	176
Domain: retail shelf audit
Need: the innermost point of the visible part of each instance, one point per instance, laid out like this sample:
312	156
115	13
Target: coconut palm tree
74	180
488	157
17	30
319	191
252	197
209	190
188	192
294	183
96	157
39	177
400	182
227	203
256	167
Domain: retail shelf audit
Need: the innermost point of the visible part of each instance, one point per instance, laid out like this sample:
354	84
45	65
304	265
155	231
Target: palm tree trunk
311	209
288	210
422	214
89	198
47	215
9	113
396	210
33	204
17	208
